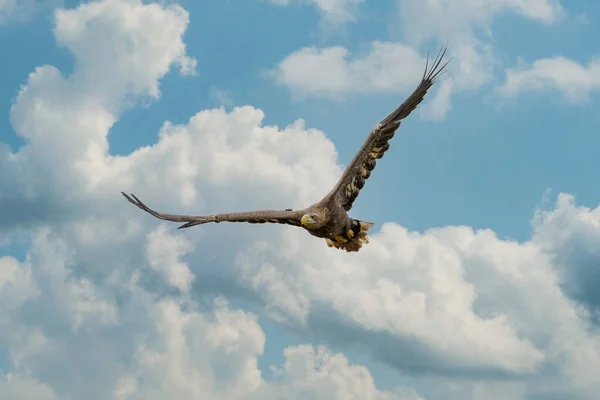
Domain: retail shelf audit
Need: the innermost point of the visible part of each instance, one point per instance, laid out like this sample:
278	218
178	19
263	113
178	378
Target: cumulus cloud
449	300
573	80
467	26
395	66
65	120
129	309
163	252
332	73
317	373
465	18
570	234
332	10
88	295
426	316
158	348
23	10
17	387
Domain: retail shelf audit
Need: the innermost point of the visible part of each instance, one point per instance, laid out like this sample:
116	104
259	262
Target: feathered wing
252	217
353	179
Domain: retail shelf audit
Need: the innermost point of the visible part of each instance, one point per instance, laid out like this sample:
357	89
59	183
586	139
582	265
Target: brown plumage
328	218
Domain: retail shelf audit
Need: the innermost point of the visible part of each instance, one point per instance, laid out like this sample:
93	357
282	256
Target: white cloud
449	299
23	10
163	252
464	25
21	388
570	234
417	285
573	80
86	296
215	355
159	348
330	72
66	120
115	27
450	20
95	294
317	373
196	355
15	284
332	10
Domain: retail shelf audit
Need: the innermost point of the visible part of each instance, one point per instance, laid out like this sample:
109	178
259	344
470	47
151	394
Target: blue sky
505	143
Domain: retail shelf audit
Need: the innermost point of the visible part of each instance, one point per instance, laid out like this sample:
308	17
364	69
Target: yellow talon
350	233
340	239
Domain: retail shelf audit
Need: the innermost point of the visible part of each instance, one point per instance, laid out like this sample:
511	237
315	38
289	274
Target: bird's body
329	217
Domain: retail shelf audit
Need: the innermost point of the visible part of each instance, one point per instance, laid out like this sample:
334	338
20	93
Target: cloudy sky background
481	279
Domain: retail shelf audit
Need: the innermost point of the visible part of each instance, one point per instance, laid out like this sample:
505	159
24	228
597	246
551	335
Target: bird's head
312	220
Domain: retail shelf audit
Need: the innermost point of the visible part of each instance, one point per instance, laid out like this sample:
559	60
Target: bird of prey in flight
329	217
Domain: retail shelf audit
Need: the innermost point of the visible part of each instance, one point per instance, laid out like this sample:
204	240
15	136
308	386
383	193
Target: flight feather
377	143
252	217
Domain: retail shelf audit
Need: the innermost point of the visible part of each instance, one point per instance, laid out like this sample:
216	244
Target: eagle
328	218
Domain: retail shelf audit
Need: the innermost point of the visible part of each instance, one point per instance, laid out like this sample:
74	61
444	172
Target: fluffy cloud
450	300
21	388
22	10
465	18
65	120
332	10
129	308
573	80
163	252
316	373
464	25
426	307
467	26
88	295
330	72
150	348
569	233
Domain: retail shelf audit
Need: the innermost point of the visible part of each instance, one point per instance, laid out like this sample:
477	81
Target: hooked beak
306	220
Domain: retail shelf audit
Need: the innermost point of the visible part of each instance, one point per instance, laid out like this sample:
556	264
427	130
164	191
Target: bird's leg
340	239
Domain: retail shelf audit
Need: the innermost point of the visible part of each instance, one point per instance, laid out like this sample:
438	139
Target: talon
340	239
350	233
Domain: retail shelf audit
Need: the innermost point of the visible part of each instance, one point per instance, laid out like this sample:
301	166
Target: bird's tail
356	241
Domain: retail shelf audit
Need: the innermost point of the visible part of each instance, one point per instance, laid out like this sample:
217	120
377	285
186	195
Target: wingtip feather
436	71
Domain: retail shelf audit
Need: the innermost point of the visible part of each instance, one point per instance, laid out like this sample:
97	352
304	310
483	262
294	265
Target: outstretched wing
353	179
253	217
